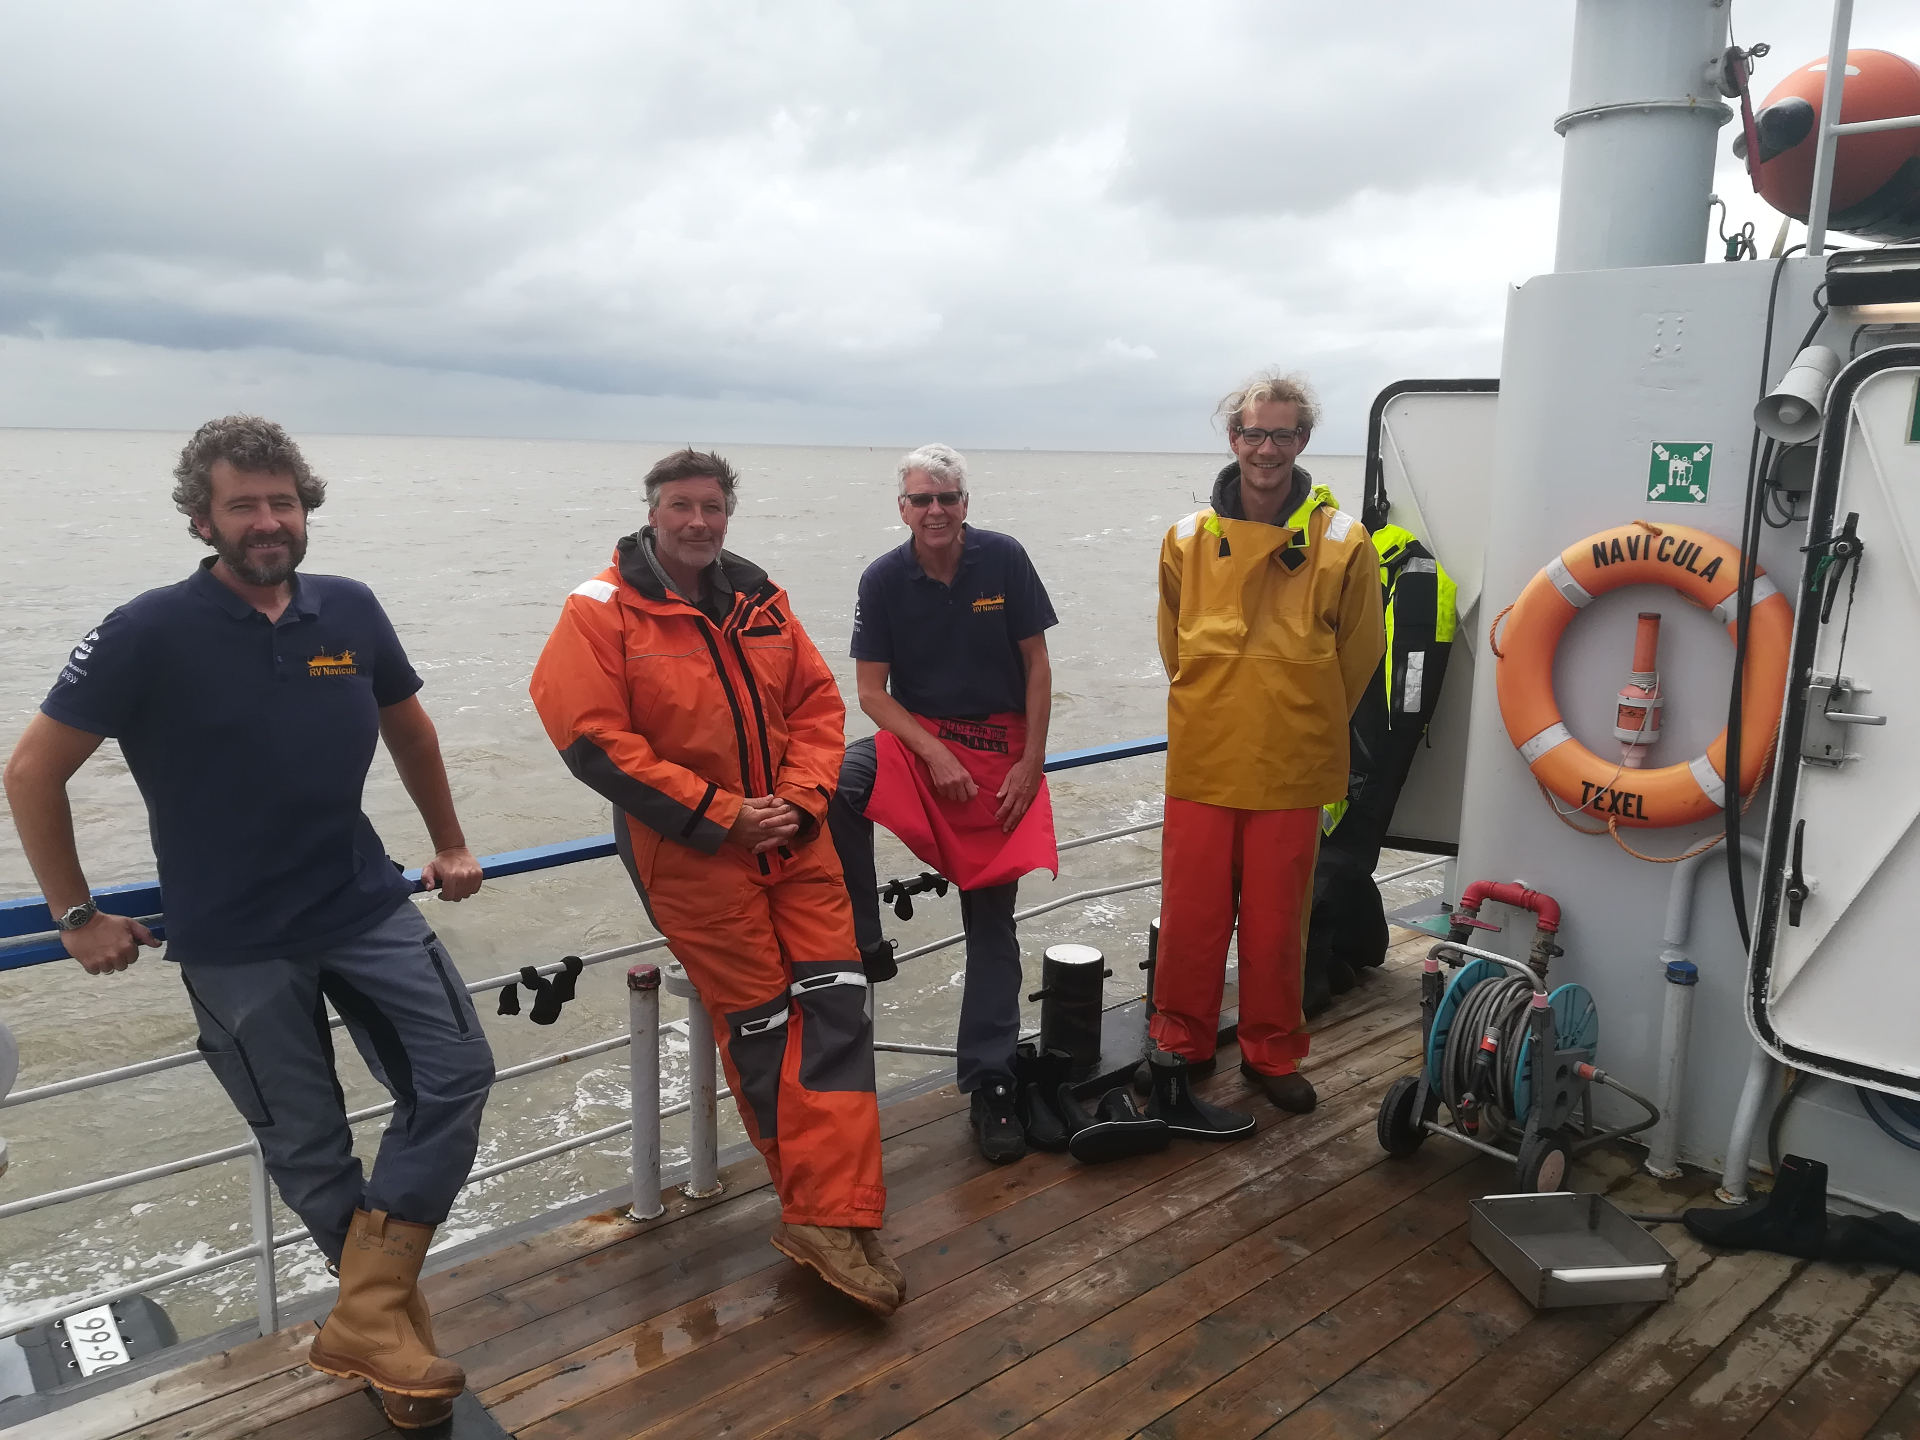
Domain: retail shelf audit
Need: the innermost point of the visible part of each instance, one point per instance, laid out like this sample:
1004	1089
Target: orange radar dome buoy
1876	177
1705	570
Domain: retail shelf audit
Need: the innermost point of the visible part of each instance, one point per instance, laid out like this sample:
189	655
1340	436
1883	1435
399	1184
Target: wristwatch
76	917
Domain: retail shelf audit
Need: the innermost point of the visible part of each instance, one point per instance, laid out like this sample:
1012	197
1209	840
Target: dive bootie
371	1333
1118	1131
1184	1113
1038	1076
996	1121
1196	1070
1888	1238
1790	1219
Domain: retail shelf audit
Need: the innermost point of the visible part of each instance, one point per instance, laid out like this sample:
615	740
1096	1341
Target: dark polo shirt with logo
250	743
954	649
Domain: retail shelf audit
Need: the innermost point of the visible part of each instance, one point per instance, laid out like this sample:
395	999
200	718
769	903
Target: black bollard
1071	997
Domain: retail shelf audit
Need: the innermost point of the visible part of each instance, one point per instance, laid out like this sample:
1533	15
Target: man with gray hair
247	700
950	653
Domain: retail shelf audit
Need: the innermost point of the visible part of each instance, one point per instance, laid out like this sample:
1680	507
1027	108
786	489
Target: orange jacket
675	716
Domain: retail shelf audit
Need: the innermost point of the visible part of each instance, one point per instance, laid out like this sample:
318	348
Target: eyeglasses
947	498
1256	438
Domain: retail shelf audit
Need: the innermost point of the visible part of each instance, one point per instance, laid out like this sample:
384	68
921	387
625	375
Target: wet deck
1296	1284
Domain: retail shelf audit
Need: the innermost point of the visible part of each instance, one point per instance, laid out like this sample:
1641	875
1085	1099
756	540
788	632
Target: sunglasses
949	499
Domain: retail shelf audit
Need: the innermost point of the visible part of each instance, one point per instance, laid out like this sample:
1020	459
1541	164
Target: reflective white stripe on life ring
824	982
1763	588
760	1027
1708	779
1554	734
1562	580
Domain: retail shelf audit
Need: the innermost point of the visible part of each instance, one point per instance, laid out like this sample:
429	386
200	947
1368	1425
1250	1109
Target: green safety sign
1678	471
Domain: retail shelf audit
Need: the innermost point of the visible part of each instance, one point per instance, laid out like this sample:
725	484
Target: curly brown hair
246	442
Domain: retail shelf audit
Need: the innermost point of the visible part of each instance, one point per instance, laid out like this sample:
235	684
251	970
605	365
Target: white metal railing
1831	129
645	1113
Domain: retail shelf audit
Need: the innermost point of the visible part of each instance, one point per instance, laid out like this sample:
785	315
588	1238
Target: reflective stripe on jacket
1269	635
675	716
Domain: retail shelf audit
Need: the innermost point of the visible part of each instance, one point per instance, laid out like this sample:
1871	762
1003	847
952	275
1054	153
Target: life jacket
1418	599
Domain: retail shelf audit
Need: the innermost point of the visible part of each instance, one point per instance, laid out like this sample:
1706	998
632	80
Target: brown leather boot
370	1335
835	1254
881	1261
407	1412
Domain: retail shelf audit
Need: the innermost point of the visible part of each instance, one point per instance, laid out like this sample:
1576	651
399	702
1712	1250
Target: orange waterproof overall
677	713
1270	634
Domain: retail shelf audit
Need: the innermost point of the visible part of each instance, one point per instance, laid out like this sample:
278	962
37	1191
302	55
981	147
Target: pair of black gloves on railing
548	994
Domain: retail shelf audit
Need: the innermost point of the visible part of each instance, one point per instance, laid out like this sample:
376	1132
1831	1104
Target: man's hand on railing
453	872
107	943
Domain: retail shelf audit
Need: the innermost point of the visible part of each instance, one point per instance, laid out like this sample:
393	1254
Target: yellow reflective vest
1270	635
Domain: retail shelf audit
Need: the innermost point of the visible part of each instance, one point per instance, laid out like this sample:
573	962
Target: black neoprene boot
1185	1113
1884	1239
1118	1131
1196	1070
1790	1219
1037	1078
996	1125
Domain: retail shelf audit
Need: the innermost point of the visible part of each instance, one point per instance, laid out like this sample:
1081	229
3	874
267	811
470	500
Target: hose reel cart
1512	1061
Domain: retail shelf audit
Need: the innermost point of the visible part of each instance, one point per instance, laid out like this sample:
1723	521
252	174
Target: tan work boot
881	1261
407	1412
371	1335
834	1253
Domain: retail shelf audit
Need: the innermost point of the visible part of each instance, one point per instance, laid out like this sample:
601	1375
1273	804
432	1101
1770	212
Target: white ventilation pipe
1640	127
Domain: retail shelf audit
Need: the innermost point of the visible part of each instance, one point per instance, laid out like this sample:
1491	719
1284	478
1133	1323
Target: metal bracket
1825	738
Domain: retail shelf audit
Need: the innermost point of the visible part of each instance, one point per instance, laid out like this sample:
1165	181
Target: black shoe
1790	1219
1037	1080
1118	1132
1196	1070
995	1125
1290	1092
877	960
1184	1112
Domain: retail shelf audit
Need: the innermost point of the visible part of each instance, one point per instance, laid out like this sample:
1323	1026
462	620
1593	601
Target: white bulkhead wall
1641	123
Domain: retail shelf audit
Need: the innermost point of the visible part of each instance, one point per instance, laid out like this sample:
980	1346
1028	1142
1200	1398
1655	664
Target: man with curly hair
247	700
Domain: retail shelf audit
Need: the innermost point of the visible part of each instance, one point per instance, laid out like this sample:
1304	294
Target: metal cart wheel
1543	1164
1398	1126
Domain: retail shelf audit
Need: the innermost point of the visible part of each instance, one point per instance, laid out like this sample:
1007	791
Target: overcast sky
1003	222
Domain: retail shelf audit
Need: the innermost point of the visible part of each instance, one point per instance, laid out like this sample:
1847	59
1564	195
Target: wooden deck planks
1853	1385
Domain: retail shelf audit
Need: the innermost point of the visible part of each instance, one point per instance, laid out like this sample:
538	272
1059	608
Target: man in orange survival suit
679	685
1270	630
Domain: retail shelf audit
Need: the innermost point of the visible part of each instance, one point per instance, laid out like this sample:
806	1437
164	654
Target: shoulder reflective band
1554	734
1410	681
1708	780
1562	580
1419	565
595	590
828	981
760	1027
1763	588
1184	530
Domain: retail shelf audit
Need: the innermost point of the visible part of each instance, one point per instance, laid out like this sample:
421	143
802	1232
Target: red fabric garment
964	842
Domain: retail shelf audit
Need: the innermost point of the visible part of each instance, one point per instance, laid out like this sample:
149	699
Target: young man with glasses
1270	630
950	650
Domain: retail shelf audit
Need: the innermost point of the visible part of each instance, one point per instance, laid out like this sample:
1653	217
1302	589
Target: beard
242	561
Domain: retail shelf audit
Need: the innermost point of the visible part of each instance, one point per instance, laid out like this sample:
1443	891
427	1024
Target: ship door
1834	978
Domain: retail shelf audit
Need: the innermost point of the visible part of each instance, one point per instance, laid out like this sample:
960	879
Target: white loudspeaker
1791	414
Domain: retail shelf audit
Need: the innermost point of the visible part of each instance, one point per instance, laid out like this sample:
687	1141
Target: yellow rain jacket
1270	635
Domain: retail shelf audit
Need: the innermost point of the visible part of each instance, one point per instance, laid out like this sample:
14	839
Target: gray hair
942	462
1272	385
246	442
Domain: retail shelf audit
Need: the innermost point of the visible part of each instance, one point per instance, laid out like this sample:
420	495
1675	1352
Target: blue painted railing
31	916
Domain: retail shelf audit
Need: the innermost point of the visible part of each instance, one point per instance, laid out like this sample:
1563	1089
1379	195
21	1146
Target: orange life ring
1703	568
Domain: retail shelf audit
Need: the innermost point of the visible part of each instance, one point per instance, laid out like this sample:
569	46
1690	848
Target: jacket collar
1226	494
633	557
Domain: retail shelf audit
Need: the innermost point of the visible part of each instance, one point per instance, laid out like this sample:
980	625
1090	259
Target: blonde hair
1272	385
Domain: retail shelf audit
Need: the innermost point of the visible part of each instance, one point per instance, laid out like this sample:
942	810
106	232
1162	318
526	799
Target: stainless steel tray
1568	1249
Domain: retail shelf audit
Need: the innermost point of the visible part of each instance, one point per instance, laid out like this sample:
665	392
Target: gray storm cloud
1065	224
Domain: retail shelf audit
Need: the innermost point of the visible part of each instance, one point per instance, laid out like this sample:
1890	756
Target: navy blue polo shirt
250	742
954	649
